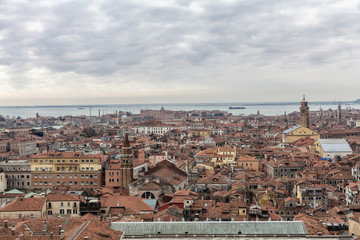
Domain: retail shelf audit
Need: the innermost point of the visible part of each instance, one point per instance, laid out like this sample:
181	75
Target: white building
3	183
331	148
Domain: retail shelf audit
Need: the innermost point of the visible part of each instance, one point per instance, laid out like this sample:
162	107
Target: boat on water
80	108
237	108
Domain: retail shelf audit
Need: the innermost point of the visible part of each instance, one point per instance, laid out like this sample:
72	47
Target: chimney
62	234
6	223
45	228
86	237
27	232
13	232
60	229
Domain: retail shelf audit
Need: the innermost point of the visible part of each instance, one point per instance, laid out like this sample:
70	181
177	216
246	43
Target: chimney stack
6	223
13	232
60	229
27	232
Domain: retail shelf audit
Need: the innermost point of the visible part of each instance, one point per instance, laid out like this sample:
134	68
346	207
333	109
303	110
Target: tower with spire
304	113
126	168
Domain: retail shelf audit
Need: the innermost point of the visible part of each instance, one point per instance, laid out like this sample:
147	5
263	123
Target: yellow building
65	168
354	224
297	132
225	155
200	133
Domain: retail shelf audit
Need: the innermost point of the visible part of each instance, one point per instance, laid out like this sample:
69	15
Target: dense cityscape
181	174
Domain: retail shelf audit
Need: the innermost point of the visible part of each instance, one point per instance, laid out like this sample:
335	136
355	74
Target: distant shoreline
186	104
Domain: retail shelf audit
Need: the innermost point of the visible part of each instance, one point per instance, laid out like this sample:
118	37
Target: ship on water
237	108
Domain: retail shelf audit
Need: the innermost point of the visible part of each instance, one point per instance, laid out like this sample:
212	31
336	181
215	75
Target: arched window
148	195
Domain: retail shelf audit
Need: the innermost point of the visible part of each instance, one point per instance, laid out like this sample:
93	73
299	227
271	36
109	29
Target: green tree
88	132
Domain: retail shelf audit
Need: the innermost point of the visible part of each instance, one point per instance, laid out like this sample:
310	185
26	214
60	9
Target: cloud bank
79	52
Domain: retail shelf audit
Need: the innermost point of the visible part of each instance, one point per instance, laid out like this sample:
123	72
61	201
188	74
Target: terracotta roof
24	204
130	203
59	197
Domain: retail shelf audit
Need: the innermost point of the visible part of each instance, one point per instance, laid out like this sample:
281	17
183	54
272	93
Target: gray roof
292	129
335	145
279	228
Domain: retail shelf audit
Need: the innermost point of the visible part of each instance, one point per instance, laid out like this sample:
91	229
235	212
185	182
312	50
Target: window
74	211
74	204
68	204
61	204
49	212
49	204
62	211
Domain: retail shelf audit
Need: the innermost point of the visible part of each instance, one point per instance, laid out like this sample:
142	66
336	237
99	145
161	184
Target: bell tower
304	113
339	113
126	168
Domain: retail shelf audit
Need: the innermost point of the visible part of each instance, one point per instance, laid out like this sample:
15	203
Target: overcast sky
141	51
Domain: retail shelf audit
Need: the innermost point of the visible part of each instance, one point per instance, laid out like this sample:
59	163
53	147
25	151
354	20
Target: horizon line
169	104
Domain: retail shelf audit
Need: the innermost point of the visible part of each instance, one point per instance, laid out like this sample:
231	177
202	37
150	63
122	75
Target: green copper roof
259	228
14	191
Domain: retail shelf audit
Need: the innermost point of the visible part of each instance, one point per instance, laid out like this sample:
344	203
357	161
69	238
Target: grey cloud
167	44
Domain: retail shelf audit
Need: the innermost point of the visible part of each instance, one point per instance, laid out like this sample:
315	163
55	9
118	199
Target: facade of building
312	197
17	174
331	148
63	205
297	132
24	208
23	146
276	169
3	182
72	169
